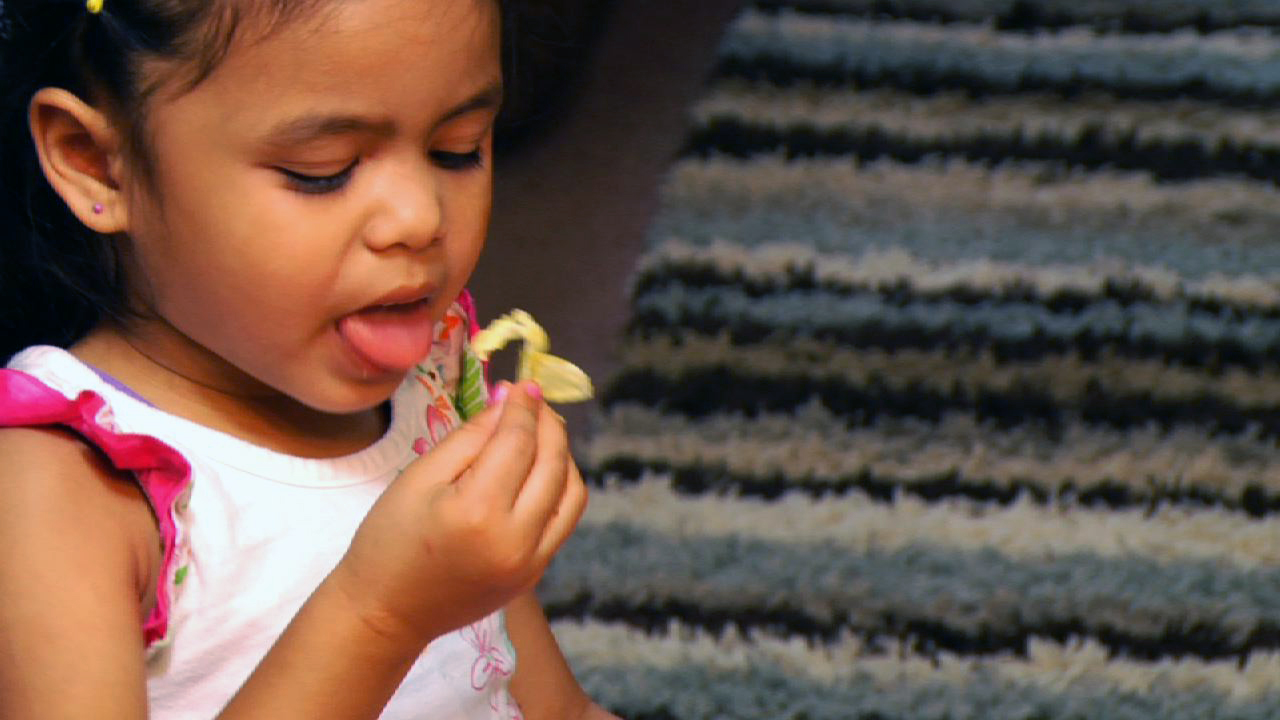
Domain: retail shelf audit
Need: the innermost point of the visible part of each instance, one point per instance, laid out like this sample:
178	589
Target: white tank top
256	531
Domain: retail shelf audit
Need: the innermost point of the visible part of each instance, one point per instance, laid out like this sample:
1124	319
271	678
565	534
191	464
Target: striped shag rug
952	384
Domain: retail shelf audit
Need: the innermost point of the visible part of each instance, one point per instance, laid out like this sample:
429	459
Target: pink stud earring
97	208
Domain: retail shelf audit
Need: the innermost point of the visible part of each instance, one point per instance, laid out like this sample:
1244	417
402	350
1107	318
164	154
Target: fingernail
534	390
500	395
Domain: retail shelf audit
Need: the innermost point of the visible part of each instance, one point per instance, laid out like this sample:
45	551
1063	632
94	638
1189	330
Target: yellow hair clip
93	6
561	381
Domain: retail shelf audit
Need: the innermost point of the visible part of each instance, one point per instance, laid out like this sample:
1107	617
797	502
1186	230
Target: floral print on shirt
453	379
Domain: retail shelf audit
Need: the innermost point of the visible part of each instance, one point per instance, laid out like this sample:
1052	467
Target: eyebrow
311	126
490	98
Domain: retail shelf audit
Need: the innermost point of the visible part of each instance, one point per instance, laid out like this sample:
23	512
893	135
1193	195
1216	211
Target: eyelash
321	184
457	161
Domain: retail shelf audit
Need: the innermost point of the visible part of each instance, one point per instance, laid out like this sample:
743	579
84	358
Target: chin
351	398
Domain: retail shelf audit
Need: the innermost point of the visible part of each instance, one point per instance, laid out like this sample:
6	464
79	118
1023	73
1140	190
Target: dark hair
58	279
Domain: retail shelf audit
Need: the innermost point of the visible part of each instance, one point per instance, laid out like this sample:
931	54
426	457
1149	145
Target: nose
408	212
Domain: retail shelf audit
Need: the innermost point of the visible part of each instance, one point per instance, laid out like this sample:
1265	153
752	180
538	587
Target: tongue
394	339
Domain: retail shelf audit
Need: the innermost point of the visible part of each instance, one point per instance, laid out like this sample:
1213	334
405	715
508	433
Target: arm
328	663
79	555
544	685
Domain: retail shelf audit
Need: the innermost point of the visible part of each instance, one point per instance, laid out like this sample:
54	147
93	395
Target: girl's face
339	165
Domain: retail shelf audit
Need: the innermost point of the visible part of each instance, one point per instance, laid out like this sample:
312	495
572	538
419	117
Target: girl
249	224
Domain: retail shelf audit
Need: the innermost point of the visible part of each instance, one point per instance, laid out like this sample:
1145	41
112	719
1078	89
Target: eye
457	161
318	184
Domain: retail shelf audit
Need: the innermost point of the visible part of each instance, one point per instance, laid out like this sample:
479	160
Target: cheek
216	273
469	242
469	205
248	232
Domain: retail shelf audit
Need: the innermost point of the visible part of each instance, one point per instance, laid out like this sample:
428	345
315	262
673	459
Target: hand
468	526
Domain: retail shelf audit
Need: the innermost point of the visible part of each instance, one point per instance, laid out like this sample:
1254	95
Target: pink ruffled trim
161	471
468	305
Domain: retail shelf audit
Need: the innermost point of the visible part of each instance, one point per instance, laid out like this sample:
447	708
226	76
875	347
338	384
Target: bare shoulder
53	482
78	554
54	450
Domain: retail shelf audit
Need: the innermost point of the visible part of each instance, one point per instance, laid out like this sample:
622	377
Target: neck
219	400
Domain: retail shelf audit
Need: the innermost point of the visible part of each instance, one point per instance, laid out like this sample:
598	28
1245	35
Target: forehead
363	56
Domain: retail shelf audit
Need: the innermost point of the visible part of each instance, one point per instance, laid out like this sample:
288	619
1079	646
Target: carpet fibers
951	385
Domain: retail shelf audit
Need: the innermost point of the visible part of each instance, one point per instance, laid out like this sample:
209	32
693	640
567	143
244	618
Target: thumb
460	448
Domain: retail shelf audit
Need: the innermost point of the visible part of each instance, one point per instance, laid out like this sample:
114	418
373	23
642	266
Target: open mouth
391	338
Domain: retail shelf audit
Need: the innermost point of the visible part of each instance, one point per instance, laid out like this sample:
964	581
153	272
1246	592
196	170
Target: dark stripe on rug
1033	16
804	278
920	635
697	479
700	392
1194	352
930	599
923	79
691	692
1095	146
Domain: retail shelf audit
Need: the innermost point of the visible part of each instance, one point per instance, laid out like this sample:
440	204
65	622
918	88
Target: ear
81	155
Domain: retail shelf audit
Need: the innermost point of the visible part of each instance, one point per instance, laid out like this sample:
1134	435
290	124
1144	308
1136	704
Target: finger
460	448
542	491
503	464
499	395
572	504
